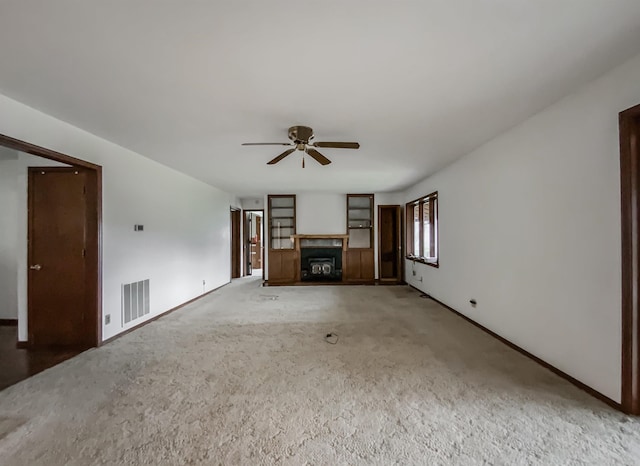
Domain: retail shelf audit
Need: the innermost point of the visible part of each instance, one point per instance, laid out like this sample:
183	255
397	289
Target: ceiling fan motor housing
300	134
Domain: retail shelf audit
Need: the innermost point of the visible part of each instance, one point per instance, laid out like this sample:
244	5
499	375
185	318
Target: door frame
629	126
246	252
260	220
400	258
94	232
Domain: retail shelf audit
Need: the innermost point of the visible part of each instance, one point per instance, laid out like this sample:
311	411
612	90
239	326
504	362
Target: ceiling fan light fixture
300	137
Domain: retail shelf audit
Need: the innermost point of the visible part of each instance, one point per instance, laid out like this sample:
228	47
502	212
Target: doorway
63	305
389	243
235	243
629	122
253	242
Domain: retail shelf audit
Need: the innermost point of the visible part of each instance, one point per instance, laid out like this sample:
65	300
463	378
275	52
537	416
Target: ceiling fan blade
266	144
337	145
321	159
281	156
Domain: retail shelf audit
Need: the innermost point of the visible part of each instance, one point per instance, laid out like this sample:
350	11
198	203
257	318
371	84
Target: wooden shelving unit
359	266
283	257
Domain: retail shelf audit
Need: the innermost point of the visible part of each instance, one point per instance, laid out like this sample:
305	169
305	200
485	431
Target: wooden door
235	244
247	242
60	292
256	252
389	246
629	121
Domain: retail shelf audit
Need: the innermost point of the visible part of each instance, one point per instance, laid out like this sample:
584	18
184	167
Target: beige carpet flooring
244	376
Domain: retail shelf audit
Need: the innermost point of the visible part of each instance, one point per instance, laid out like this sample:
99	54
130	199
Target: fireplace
321	264
320	257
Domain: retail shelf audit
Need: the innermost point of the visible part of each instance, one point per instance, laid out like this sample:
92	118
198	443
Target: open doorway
50	288
253	241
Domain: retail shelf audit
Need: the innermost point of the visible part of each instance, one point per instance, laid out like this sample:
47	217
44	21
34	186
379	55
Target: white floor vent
135	300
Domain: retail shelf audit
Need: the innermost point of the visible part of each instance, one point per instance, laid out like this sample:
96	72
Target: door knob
35	267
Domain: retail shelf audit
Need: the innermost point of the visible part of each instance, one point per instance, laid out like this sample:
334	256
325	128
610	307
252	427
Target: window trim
432	199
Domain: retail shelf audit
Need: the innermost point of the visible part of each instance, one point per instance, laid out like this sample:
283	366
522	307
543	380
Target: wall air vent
135	301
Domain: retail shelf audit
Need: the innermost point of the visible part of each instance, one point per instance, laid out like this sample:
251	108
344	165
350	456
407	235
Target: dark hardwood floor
19	364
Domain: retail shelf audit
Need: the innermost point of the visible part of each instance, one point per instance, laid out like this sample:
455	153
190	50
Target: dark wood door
389	247
58	289
629	121
235	244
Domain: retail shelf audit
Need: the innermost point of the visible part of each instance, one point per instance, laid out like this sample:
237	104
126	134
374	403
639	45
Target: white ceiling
418	83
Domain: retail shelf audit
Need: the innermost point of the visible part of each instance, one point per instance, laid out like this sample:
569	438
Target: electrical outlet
413	272
107	319
203	283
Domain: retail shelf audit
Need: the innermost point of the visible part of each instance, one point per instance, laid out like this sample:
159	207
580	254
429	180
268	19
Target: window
422	229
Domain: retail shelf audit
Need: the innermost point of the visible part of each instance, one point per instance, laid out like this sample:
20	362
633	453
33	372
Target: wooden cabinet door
283	266
367	267
359	265
352	262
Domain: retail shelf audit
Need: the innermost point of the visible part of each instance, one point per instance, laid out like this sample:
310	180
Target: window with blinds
422	229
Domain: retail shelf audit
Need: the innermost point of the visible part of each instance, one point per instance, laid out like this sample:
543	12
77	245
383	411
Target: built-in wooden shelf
358	265
283	257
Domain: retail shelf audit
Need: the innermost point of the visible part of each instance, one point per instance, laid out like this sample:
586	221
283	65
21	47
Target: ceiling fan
301	137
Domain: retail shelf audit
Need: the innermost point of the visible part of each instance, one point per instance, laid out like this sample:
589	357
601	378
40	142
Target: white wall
187	234
8	234
252	203
321	213
530	228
